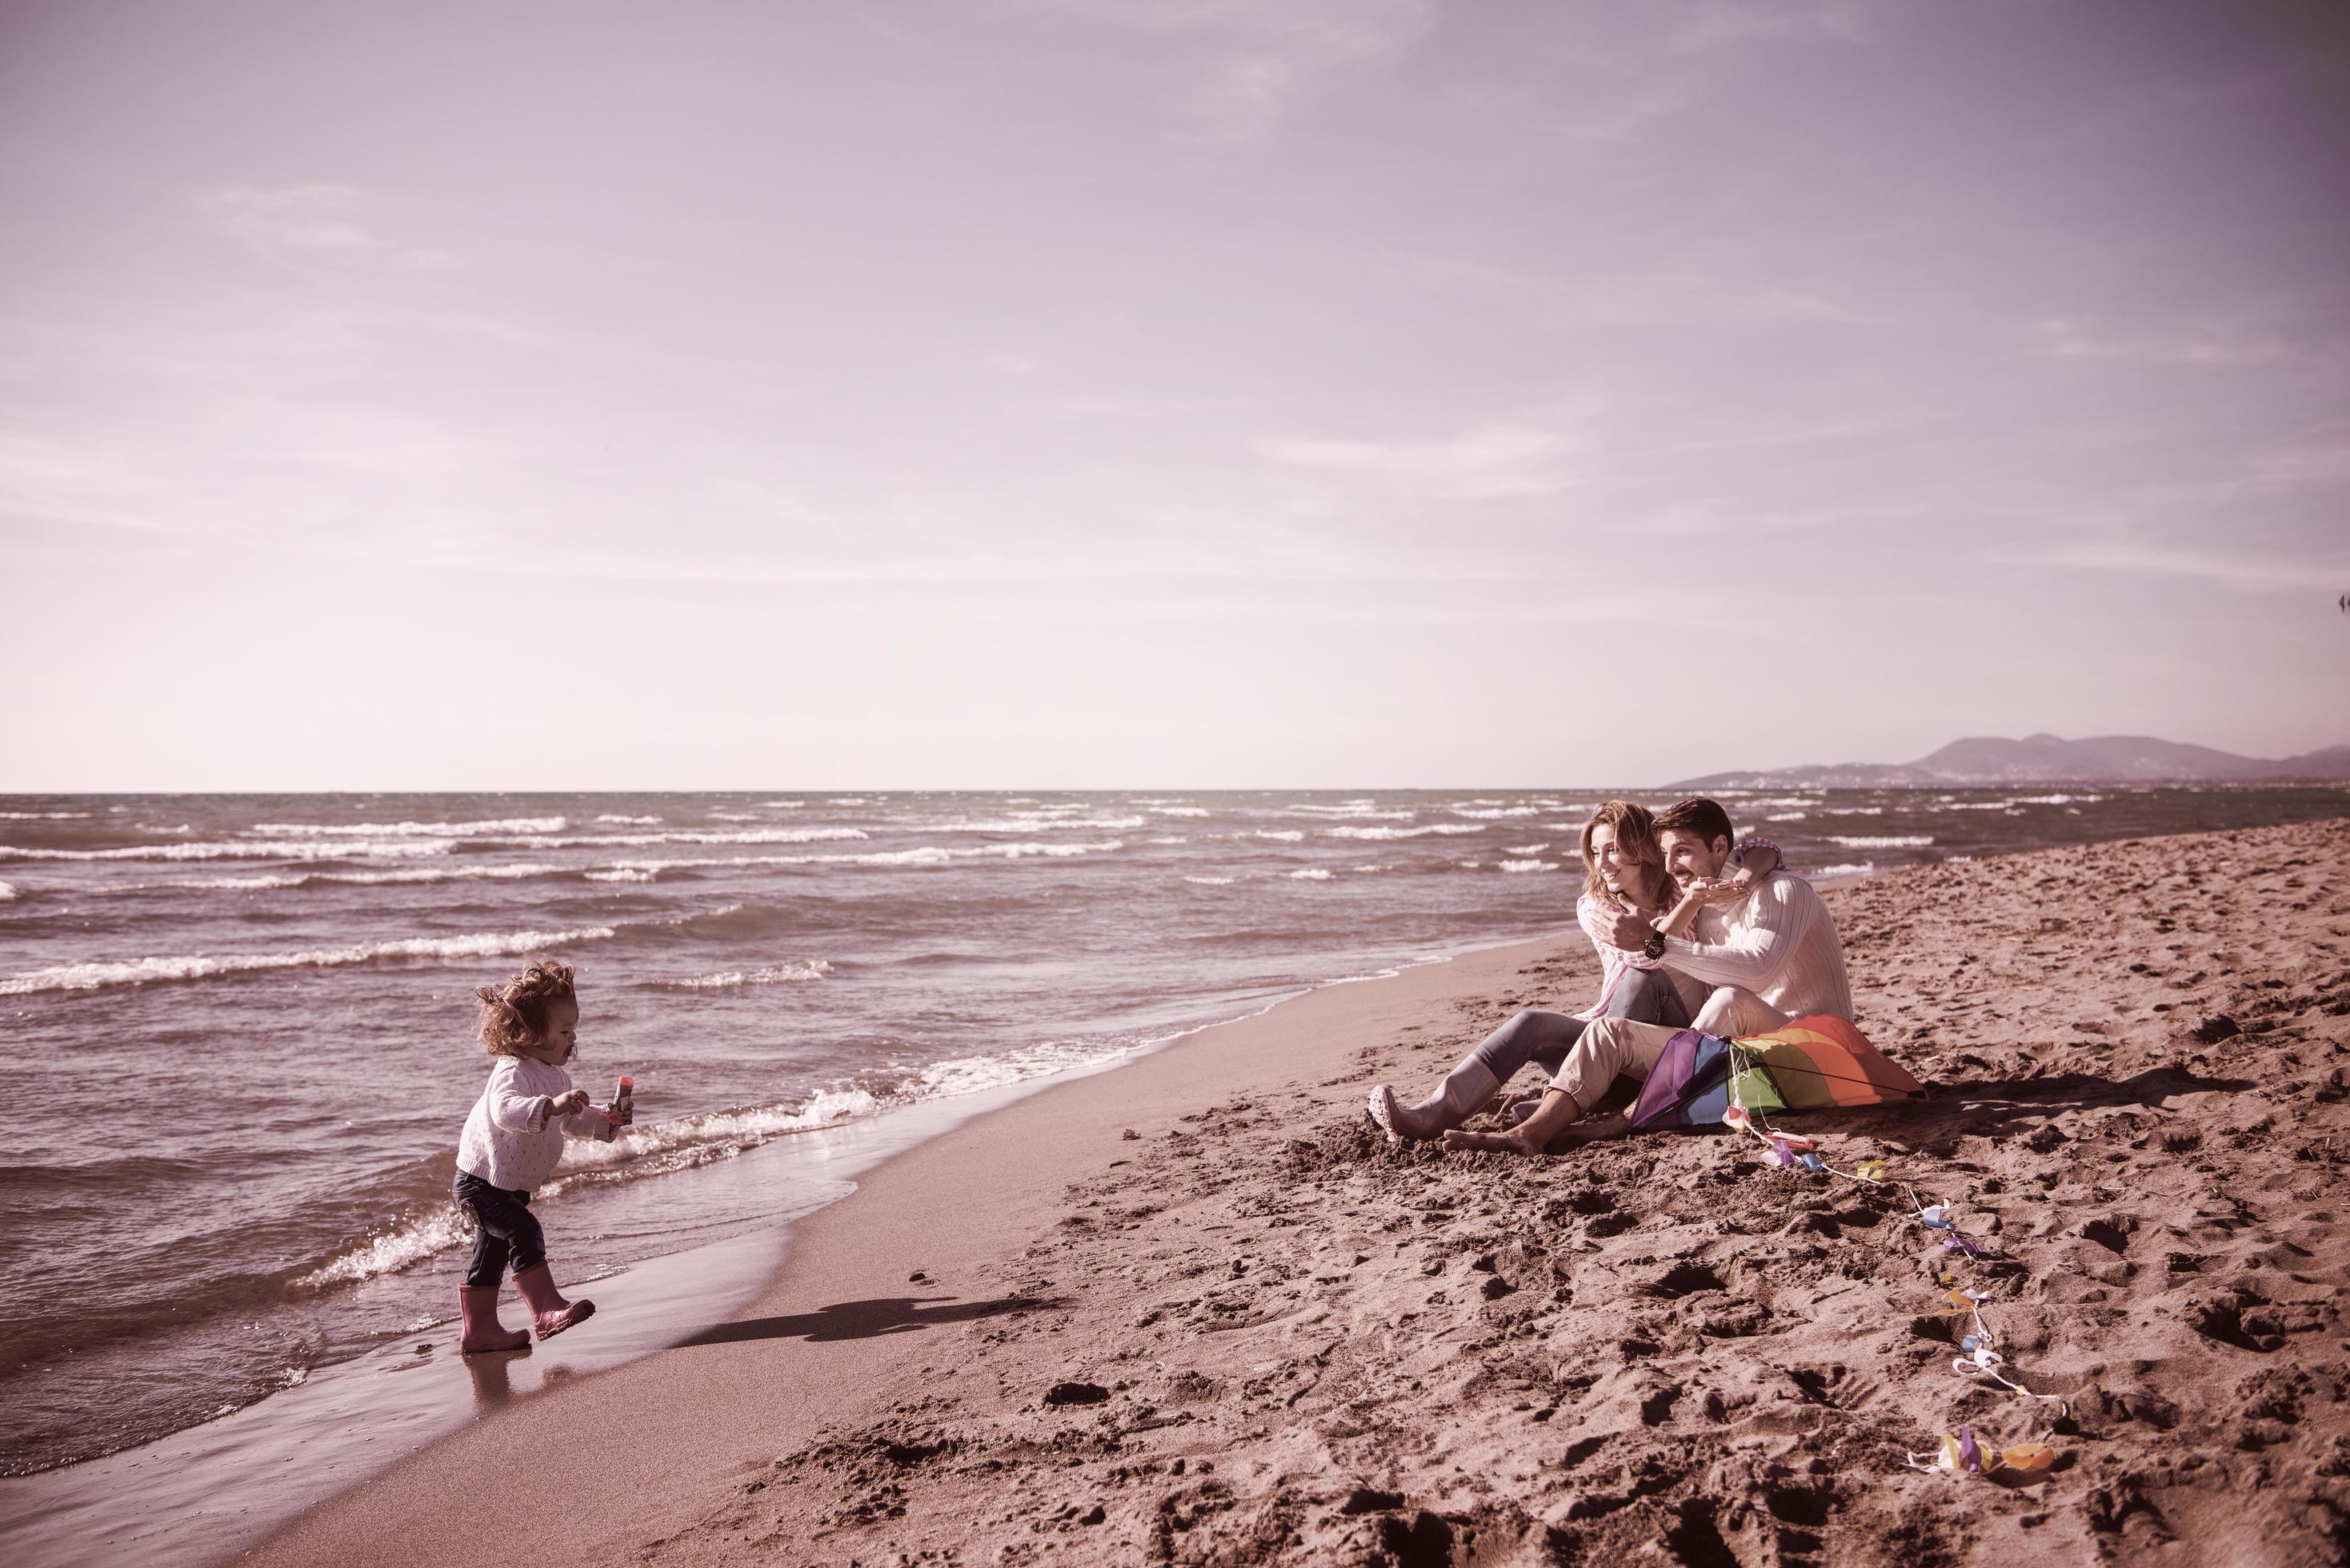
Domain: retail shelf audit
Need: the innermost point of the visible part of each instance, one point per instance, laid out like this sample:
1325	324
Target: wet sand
1194	1310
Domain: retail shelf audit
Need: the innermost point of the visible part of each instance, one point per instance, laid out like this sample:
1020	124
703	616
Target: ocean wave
1281	835
1046	821
407	877
1211	882
694	835
1175	838
1311	874
502	825
403	1245
2055	799
1183	811
1525	848
245	850
661	1148
1354	808
924	855
1388	833
1495	812
613	819
1862	870
1528	864
620	874
776	974
7	892
1787	816
44	816
1887	841
95	976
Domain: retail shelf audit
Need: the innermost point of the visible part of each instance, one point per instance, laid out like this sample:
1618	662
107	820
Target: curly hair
513	1015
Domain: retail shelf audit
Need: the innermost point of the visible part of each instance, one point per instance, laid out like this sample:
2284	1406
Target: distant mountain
2045	759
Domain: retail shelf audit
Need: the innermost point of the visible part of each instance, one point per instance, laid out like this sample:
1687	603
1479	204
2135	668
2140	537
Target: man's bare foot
1492	1143
1516	1141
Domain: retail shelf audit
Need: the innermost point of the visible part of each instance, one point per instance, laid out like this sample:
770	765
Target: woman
1623	867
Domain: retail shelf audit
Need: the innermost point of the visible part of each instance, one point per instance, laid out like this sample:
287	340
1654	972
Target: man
1771	957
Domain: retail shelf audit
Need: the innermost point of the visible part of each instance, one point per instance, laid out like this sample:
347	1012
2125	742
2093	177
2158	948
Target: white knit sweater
1780	942
511	1140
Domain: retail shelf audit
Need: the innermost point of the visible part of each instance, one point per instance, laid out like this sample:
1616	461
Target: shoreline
410	1392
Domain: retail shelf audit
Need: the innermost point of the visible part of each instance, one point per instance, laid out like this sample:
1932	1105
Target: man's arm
1755	958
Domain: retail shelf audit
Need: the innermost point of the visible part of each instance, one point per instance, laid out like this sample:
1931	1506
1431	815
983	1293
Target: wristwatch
1655	946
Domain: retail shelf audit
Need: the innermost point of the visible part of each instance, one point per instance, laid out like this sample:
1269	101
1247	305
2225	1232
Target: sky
1169	393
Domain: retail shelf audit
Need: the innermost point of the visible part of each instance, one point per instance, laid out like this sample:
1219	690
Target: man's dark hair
1699	816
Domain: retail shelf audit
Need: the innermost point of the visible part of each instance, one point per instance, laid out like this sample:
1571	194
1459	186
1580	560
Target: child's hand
570	1104
619	1117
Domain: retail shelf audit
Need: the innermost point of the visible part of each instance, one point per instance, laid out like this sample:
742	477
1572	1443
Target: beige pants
1731	1013
1608	1046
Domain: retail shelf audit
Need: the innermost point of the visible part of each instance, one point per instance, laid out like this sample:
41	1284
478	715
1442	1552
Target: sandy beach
1194	1310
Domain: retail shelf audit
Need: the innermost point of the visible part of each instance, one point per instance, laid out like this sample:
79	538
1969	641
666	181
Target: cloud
1662	291
2246	571
1263	58
1489	461
301	226
2069	337
1720	24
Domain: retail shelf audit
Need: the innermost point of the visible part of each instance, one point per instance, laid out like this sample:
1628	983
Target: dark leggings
504	1231
1644	996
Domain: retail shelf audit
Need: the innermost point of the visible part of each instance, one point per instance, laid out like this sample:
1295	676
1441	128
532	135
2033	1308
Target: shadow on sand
866	1319
2007	1099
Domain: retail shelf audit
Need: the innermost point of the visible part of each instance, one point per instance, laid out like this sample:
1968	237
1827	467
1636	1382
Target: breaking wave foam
245	849
151	970
776	974
409	829
1887	841
1440	827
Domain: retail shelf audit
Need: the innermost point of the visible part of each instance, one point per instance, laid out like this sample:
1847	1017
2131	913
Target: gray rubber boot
1466	1090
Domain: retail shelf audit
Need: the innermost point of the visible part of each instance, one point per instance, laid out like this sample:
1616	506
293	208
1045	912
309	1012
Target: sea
238	1030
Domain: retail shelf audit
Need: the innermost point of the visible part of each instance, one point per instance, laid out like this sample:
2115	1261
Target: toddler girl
514	1138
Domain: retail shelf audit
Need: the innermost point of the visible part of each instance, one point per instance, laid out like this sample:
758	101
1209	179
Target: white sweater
1779	942
511	1140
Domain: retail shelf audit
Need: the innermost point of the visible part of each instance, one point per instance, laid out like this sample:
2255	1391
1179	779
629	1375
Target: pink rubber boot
550	1314
478	1305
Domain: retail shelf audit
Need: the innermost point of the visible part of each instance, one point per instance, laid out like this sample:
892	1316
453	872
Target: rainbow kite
1812	1064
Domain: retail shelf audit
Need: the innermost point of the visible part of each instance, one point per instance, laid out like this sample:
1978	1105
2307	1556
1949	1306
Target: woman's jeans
504	1231
1645	996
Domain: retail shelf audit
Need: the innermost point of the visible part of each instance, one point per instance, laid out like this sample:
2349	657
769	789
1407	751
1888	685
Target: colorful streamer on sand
1958	1453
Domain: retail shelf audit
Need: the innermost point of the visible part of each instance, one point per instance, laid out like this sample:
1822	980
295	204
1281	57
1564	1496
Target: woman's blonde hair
1636	840
513	1015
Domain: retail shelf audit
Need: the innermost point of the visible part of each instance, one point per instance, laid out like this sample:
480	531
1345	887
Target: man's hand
1628	931
570	1104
